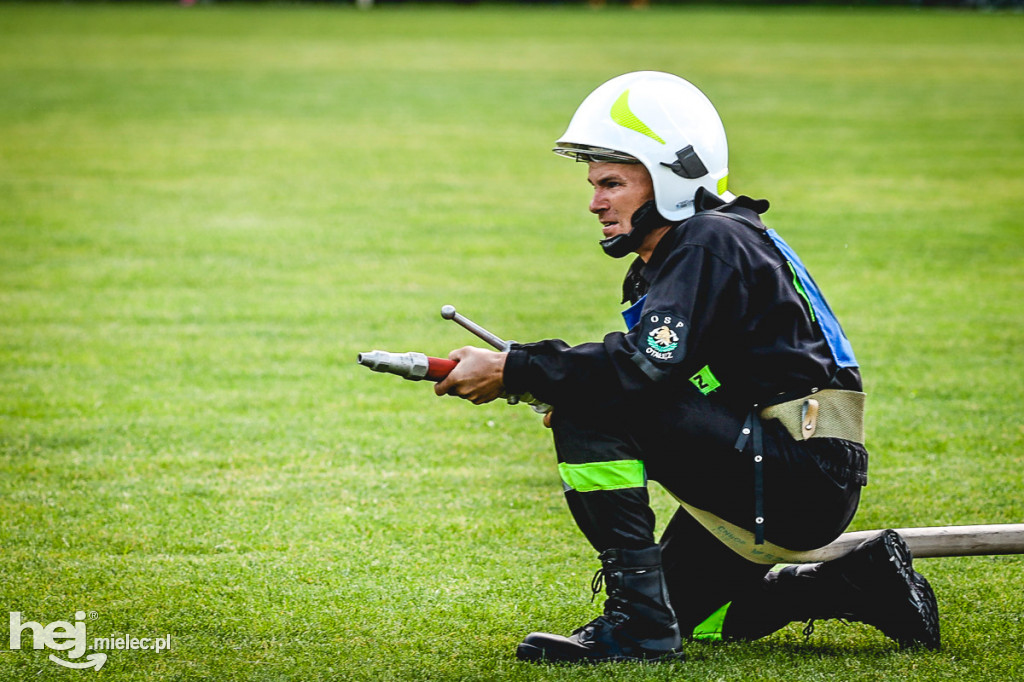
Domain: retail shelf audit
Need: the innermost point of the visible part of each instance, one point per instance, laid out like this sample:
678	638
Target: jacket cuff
514	378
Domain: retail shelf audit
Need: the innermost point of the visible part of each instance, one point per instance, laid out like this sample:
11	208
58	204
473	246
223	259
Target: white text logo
62	635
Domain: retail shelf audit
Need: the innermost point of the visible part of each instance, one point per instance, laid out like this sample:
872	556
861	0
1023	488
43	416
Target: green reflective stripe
800	289
585	478
711	629
723	184
622	115
705	381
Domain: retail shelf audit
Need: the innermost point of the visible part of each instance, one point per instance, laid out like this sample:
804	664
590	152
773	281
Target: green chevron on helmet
622	115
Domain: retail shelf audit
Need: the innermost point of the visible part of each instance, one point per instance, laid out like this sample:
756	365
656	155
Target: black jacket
724	320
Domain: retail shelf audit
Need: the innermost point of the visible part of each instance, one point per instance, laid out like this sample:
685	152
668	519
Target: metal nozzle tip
372	359
448	312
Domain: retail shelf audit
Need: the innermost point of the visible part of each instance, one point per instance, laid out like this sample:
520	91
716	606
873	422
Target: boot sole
535	654
924	600
922	597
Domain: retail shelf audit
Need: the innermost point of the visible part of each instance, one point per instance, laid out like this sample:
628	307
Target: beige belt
830	413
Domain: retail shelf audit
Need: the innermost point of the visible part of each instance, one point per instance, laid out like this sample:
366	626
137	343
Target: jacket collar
706	201
635	285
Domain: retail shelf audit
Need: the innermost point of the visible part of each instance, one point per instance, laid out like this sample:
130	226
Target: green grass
205	214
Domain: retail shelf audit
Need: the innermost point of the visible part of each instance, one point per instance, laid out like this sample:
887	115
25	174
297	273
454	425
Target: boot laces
809	628
597	583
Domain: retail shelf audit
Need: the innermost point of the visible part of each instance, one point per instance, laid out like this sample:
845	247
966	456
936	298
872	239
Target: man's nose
598	202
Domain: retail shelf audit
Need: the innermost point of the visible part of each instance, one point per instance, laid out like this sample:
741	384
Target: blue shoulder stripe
842	351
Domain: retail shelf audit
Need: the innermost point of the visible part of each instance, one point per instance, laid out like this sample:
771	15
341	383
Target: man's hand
478	377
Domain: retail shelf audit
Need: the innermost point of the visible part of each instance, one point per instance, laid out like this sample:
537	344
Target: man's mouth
608	229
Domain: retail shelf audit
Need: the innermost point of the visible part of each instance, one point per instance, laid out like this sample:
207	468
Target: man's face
619	190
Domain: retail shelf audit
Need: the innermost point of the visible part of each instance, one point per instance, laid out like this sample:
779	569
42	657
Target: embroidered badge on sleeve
663	337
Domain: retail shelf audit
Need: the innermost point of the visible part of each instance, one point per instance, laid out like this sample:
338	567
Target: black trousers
811	492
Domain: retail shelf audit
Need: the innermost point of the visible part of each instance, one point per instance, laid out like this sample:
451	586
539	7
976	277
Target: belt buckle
808	418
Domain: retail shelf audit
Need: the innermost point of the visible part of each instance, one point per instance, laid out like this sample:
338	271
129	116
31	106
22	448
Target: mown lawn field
207	212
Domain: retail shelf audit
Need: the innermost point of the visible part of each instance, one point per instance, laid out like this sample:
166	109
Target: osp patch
663	337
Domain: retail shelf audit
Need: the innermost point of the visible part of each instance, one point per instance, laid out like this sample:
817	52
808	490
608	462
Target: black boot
874	584
638	622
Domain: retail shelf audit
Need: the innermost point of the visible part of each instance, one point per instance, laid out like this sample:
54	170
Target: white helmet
661	121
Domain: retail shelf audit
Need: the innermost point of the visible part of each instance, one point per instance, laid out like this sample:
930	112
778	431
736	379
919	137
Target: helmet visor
586	153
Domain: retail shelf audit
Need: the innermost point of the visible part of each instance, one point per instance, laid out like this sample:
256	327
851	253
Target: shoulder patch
662	337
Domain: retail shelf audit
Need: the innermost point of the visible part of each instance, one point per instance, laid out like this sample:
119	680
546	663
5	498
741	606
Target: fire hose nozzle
412	365
417	366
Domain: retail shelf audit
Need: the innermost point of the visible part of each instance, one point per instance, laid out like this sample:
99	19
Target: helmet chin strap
644	220
621	244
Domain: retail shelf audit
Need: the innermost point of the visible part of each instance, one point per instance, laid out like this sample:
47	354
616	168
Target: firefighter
735	388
